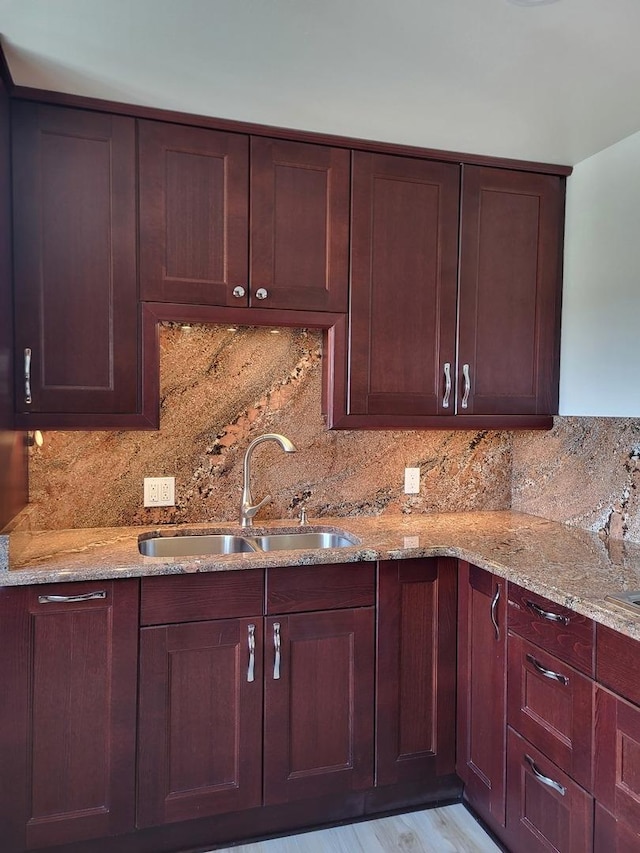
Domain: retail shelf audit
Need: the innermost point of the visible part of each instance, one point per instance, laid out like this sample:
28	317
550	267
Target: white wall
600	358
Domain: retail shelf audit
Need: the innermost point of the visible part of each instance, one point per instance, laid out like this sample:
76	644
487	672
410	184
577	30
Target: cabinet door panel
319	711
416	685
403	284
75	260
482	691
193	214
510	256
299	225
68	771
200	720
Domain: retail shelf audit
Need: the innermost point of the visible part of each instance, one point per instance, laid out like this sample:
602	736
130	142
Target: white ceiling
554	83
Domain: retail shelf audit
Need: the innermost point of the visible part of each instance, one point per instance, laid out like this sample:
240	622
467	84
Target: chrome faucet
247	511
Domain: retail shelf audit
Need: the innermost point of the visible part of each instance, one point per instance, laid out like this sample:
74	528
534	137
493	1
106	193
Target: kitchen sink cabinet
75	277
232	220
236	713
481	727
455	296
68	713
416	672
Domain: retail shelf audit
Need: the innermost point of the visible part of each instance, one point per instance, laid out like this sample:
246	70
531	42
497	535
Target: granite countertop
570	566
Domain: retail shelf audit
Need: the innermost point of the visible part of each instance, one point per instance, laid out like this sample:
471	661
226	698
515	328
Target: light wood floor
445	830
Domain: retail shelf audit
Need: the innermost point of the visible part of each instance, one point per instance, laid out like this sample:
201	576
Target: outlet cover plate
411	481
159	491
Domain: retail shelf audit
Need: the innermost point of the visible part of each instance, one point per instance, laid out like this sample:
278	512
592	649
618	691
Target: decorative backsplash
585	472
220	389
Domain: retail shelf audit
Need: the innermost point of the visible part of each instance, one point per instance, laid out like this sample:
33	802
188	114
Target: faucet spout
247	508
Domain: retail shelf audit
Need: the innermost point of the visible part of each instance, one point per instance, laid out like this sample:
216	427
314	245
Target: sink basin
205	544
192	546
293	541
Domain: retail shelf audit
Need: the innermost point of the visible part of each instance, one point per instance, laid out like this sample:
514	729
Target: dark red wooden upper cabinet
299	225
193	214
510	288
76	314
404	247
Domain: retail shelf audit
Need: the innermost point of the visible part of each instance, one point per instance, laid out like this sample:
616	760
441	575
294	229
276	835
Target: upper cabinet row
450	273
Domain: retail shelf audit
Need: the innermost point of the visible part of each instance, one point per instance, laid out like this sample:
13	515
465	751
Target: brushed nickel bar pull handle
251	640
27	375
546	614
70	599
447	385
550	783
276	646
467	386
548	673
494	608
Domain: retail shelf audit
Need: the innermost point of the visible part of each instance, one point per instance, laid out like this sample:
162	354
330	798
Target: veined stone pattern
219	390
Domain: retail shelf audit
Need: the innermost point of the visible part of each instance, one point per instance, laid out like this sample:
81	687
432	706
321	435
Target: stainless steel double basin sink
207	544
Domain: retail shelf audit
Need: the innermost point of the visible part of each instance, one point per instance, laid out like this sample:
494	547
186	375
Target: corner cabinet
455	296
232	220
68	714
76	309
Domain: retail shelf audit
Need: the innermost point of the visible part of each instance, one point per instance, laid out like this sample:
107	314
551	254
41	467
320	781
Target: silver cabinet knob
239	291
261	293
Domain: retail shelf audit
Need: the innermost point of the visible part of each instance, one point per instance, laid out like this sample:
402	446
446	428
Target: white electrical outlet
159	491
411	481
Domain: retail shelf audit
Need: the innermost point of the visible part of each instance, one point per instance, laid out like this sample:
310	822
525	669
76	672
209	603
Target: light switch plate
411	481
159	491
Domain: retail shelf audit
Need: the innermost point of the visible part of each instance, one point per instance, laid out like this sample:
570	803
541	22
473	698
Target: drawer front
196	597
546	809
559	630
296	588
618	663
551	704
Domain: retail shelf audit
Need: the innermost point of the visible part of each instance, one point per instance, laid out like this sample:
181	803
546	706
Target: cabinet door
482	638
193	214
68	713
416	677
617	757
403	285
75	260
200	718
318	722
613	836
510	290
299	225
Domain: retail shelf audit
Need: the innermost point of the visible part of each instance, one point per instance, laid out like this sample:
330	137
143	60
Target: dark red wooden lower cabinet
67	713
613	836
546	809
200	729
318	719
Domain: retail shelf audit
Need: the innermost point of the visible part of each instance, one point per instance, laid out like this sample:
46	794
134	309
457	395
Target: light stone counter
567	565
